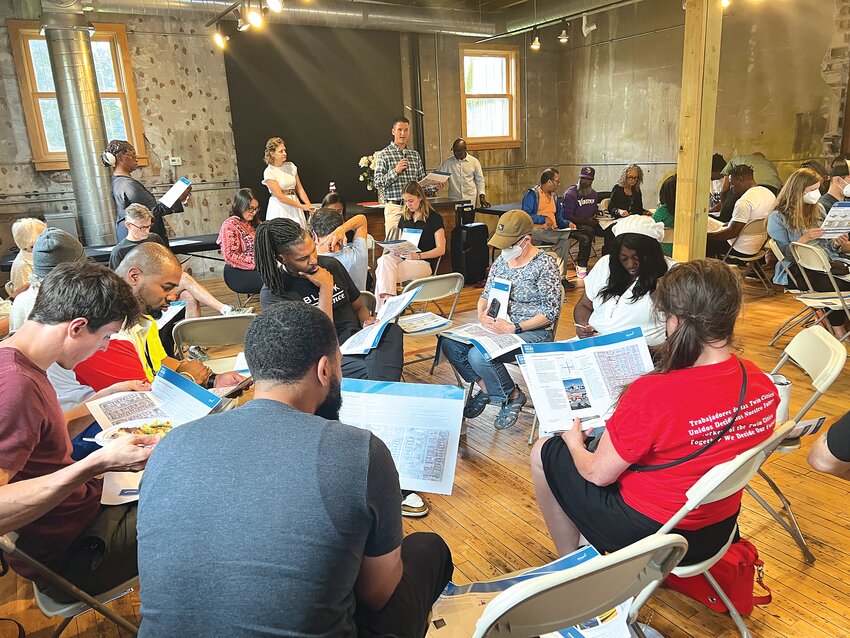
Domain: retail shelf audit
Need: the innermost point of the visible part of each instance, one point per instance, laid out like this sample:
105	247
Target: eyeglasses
148	227
632	178
252	209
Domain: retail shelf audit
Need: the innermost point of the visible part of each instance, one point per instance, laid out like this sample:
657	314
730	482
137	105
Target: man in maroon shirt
52	502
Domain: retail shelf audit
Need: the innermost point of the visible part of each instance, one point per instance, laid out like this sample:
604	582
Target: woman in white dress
288	197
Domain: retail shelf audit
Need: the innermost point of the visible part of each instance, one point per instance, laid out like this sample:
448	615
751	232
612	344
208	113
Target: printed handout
364	340
582	378
419	423
837	221
490	344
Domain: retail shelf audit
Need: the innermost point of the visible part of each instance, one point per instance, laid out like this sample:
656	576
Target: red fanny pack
736	573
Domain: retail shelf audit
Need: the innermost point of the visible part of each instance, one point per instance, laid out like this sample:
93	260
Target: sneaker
510	411
567	284
475	405
230	310
413	505
198	353
581	272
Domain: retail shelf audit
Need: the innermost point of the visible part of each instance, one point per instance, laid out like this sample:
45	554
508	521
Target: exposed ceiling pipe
551	11
354	14
66	30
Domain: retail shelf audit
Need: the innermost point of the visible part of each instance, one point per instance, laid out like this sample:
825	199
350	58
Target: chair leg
739	622
62	626
533	426
793	528
800	318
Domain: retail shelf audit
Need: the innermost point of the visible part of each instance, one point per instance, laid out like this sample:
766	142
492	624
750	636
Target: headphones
108	159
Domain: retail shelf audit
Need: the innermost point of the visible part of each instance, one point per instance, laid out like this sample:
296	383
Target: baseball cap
53	247
511	226
587	171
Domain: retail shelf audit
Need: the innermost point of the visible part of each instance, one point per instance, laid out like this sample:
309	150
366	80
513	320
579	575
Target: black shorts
604	518
838	439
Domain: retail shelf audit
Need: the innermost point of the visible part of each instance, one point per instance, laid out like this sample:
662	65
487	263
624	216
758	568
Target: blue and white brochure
419	423
172	397
363	341
582	378
175	192
459	607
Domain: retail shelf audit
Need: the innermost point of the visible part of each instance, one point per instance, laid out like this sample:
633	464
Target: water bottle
332	187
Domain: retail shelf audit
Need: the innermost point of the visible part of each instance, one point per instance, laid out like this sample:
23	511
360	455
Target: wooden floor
493	526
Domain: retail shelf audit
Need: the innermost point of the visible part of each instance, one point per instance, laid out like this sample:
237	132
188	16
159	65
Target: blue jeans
471	365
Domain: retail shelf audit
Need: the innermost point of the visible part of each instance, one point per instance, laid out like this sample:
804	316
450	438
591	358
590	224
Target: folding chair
821	356
369	301
754	228
808	313
431	289
718	483
814	258
225	330
69	611
558	600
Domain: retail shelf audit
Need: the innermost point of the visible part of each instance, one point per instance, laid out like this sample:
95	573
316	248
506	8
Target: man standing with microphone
397	166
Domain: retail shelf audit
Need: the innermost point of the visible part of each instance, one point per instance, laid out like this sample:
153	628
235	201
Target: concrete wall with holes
182	92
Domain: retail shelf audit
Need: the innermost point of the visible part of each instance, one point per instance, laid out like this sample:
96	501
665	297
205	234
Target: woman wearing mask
618	291
798	218
534	304
120	156
288	198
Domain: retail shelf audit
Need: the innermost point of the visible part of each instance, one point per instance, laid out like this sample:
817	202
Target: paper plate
109	435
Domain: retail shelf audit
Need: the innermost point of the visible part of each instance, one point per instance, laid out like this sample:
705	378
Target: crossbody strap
720	435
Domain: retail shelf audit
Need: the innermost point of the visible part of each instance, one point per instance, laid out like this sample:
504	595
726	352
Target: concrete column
69	47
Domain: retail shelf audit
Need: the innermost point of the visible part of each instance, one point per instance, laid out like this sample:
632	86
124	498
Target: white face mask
846	191
513	252
812	197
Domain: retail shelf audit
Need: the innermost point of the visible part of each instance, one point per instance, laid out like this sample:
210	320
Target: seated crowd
314	506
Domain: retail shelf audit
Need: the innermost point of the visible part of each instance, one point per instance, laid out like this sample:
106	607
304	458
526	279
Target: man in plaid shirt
398	165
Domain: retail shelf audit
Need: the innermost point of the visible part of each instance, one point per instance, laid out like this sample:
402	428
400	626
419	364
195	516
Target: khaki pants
392	213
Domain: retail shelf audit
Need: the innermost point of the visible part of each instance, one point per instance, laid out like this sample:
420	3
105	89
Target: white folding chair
562	599
821	356
369	301
84	603
225	330
808	313
431	289
814	258
755	228
718	483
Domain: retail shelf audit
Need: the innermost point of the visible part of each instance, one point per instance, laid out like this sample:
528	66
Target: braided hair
273	238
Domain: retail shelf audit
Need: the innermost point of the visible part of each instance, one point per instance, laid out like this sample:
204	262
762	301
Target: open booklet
423	322
419	423
490	344
175	192
435	179
408	243
364	340
459	607
837	220
582	378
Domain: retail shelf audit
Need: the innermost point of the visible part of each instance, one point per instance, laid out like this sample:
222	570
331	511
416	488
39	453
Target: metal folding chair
754	228
225	330
814	258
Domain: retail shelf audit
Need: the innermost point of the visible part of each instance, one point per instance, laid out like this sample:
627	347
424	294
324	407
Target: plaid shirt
393	183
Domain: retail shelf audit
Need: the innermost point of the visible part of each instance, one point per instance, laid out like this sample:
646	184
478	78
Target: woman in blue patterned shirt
534	304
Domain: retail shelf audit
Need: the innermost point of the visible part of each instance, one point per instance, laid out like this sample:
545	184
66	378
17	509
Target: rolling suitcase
469	245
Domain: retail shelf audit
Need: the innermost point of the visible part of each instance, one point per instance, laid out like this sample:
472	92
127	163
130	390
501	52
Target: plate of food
139	426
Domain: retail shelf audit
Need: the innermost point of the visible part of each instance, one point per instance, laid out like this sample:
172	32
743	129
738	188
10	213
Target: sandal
509	413
476	404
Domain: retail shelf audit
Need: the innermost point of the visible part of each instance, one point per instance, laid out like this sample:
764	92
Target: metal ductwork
352	14
69	47
525	17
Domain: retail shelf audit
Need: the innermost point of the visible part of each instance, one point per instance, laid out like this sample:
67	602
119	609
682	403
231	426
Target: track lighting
724	3
275	5
565	36
535	43
241	25
255	15
219	38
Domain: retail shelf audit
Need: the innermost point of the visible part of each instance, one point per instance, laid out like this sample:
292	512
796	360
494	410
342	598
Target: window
489	100
41	110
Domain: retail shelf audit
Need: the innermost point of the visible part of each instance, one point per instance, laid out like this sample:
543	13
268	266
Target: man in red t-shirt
52	502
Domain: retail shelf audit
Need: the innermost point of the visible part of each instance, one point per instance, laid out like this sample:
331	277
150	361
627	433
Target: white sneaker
414	506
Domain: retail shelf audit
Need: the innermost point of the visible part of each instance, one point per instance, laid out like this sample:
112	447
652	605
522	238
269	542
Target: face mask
811	197
511	253
846	191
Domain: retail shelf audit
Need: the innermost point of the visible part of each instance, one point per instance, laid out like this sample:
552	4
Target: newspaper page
362	341
172	397
419	423
492	345
837	221
459	607
582	378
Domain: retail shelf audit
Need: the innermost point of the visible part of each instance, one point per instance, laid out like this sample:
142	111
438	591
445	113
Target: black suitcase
469	246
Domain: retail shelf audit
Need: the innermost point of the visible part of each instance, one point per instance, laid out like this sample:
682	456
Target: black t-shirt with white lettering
300	289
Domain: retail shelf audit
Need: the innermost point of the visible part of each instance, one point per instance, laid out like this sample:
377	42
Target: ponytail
275	238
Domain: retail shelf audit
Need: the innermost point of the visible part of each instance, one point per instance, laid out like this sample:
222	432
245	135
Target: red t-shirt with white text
662	418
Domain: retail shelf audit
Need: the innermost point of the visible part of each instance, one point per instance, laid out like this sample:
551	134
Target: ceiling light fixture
241	25
565	36
724	3
219	38
535	44
255	15
275	5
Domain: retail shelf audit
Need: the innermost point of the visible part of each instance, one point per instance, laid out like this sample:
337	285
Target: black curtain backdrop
331	94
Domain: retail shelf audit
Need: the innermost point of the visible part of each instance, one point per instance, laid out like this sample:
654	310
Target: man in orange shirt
550	226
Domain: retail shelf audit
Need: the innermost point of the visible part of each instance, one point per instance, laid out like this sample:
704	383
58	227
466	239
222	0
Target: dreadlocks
273	238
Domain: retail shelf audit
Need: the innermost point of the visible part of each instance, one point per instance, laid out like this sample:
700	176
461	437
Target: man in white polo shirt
755	202
467	178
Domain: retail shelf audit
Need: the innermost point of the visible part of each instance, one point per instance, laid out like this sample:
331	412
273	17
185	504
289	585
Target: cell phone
493	310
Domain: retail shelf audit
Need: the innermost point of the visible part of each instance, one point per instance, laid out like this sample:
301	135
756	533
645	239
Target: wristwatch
517	328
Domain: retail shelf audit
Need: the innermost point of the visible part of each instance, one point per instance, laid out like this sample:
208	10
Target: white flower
364	161
373	165
361	178
368	187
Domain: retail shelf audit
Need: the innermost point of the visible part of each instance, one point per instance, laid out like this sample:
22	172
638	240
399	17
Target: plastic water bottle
332	187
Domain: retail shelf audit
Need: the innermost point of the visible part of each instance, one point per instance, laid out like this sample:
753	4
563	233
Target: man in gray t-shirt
271	519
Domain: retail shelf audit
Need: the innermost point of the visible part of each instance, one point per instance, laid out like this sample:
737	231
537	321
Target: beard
147	309
584	191
329	409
